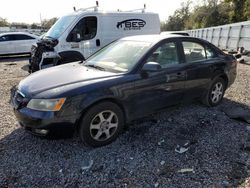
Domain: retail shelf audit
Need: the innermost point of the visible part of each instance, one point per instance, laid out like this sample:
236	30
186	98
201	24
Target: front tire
101	124
215	93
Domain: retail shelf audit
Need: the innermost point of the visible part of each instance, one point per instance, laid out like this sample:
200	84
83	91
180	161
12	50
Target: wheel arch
224	76
70	56
113	100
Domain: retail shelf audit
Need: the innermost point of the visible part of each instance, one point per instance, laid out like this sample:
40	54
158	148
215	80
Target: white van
78	35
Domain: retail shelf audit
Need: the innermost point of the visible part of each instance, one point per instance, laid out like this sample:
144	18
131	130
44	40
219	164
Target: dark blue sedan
128	79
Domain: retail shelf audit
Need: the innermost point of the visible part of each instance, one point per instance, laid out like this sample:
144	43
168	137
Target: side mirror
75	37
238	56
151	67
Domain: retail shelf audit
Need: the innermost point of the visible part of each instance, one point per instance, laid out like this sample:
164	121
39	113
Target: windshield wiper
48	37
96	67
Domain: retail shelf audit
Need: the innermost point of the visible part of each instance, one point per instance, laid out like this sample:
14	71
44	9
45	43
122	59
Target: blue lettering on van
131	24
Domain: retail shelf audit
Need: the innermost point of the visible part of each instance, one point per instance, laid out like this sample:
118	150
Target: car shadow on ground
11	59
149	131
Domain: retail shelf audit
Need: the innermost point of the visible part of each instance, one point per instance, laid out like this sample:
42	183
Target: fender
70	56
85	103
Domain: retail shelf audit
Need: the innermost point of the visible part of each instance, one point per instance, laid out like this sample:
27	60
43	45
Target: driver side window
85	29
166	55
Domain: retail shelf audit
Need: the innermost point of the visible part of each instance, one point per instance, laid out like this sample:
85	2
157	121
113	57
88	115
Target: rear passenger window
23	37
210	53
193	52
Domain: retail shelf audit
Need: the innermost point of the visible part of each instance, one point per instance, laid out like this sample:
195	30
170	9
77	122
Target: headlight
46	104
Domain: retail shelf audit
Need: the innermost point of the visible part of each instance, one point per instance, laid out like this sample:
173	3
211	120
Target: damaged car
128	79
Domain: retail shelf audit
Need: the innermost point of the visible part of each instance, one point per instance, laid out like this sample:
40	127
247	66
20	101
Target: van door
83	37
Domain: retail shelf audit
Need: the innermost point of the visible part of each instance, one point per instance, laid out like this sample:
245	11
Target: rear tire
215	93
101	124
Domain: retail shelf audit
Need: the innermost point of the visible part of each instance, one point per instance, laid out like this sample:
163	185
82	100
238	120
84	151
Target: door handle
181	74
212	67
98	42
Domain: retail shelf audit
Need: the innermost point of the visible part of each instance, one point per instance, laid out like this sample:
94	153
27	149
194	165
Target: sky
29	11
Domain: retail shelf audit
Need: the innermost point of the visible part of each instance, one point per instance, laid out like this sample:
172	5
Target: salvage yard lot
143	156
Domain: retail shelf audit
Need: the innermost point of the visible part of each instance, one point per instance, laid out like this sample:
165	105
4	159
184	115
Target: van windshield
60	26
120	56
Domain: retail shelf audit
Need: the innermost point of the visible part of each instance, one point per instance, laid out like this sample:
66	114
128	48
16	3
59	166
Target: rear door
162	88
199	62
23	43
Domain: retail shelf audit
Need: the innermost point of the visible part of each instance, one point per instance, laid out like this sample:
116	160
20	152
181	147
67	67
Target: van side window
193	52
85	29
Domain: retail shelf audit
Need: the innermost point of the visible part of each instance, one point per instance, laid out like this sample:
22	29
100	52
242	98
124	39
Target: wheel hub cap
103	125
217	92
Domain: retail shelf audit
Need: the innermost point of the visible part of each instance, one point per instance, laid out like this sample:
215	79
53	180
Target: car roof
16	33
175	32
153	38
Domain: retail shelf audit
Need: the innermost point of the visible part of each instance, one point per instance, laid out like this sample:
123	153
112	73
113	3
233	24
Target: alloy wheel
104	125
217	92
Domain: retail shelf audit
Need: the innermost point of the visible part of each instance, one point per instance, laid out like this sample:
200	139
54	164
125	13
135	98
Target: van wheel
215	93
101	124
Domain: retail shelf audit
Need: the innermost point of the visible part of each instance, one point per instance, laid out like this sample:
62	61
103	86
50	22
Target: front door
7	44
84	36
161	88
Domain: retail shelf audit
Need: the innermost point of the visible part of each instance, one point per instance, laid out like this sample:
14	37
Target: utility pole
41	21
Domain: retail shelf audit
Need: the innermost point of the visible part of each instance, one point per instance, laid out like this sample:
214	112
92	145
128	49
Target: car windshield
60	26
120	56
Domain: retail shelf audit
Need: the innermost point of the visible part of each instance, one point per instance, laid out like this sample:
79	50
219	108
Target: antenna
97	5
144	8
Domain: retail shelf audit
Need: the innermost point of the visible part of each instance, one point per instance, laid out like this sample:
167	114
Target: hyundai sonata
128	79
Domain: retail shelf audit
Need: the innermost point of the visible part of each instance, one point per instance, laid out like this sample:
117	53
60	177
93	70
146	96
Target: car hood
60	76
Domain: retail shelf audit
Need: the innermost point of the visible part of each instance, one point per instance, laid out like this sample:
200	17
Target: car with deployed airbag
128	79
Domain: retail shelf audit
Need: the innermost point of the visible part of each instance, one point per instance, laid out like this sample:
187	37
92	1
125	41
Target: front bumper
44	123
35	120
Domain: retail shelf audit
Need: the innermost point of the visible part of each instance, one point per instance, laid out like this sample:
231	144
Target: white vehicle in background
16	43
76	36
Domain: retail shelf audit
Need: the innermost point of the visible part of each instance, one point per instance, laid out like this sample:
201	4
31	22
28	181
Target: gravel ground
143	156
